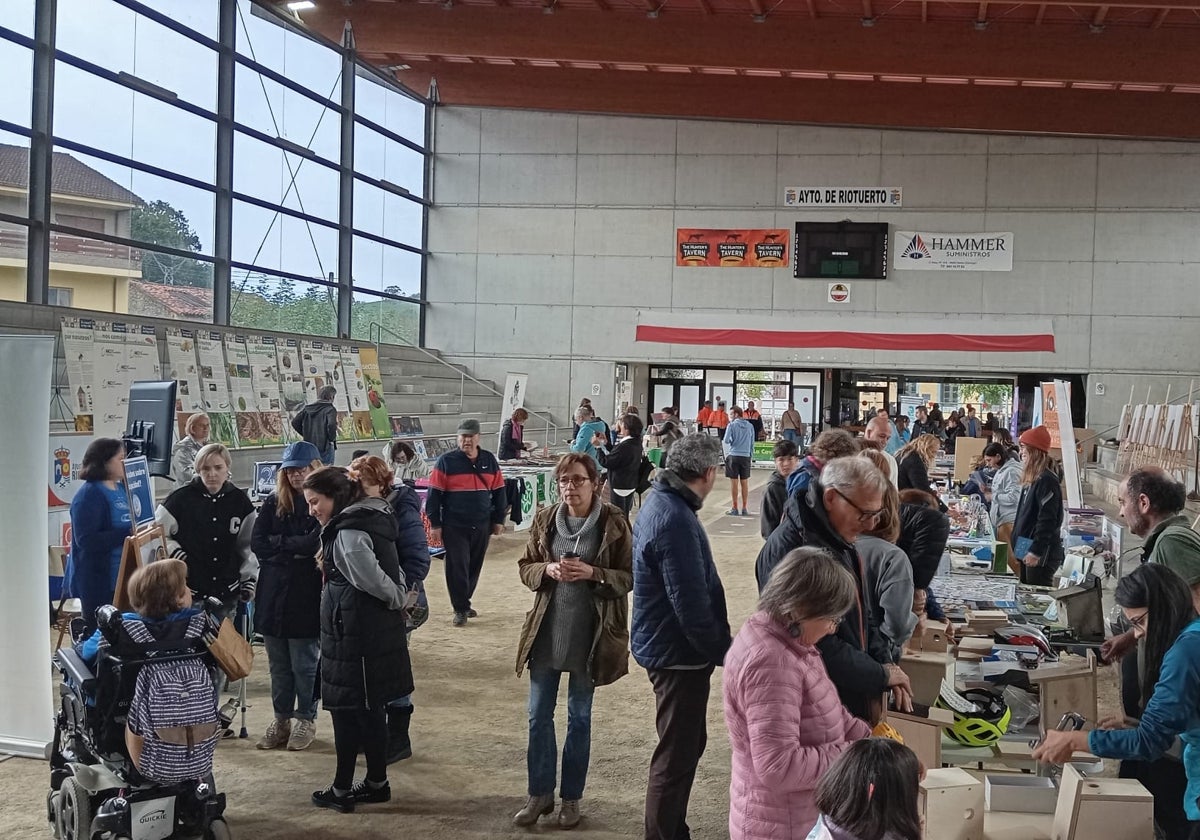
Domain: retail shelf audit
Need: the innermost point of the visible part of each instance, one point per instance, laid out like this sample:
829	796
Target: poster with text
264	374
141	353
335	376
182	367
210	351
741	248
312	355
291	374
369	358
241	390
356	389
110	391
925	251
79	349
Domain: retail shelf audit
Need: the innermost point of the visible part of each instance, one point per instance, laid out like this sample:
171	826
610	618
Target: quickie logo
916	249
153	817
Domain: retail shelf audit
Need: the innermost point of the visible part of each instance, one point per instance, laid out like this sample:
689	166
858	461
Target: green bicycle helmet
980	728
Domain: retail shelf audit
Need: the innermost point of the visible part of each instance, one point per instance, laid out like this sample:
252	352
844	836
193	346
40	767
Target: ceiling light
759	18
981	25
301	5
868	22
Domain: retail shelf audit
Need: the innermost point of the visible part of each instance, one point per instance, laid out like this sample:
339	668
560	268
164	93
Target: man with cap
465	506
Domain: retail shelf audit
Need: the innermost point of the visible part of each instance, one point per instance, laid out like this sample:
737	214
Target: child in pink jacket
786	723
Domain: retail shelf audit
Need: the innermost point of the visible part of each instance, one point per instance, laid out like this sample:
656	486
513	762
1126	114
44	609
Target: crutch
248	635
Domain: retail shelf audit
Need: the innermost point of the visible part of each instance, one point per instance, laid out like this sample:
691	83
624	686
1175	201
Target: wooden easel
140	549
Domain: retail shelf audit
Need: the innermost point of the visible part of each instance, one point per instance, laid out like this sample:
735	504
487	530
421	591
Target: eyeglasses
1139	621
573	481
864	516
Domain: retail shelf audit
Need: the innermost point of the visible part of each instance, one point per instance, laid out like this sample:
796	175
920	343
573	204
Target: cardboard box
1028	794
951	805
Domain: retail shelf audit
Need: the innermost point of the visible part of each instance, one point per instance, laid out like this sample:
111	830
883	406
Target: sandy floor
467	776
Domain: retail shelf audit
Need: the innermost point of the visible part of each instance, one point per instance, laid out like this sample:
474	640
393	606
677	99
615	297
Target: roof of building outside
189	302
70	176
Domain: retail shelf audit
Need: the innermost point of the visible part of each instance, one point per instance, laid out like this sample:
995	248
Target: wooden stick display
1156	435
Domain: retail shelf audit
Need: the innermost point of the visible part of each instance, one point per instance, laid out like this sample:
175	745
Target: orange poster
732	248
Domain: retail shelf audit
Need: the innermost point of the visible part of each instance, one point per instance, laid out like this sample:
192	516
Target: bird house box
1115	809
951	805
1081	608
926	670
922	731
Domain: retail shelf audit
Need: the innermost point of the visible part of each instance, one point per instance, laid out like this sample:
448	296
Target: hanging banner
740	248
1051	408
141	353
182	367
838	197
264	375
312	354
356	390
241	390
111	387
210	349
26	372
79	349
291	382
1065	435
515	386
335	375
369	359
924	251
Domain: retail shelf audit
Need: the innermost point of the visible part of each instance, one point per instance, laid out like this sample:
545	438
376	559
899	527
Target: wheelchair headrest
108	619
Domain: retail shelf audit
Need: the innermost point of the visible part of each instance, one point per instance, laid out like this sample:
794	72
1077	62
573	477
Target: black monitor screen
150	427
841	250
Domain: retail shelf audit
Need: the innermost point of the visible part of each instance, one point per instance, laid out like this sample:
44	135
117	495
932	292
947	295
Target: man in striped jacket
465	506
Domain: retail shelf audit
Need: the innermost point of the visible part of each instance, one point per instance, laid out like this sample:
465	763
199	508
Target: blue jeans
293	664
542	756
791	434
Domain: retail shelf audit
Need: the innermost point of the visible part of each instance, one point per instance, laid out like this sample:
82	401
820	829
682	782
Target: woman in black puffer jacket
364	651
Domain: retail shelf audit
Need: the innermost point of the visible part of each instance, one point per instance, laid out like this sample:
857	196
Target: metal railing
375	333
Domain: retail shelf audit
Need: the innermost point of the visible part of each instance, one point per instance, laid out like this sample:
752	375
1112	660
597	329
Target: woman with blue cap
287	605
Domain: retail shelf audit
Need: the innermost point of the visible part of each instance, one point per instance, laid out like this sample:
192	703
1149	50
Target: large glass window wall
136	115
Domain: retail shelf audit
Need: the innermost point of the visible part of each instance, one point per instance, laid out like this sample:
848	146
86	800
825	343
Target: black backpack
645	468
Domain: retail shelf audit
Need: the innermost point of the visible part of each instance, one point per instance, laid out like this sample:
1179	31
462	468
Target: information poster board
79	349
373	381
183	368
264	375
110	390
335	375
356	391
291	382
241	390
210	350
139	488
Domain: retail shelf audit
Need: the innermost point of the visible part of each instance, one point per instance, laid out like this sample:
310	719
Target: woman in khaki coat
579	562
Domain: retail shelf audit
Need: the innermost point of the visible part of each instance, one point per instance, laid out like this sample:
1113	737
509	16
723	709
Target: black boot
399	745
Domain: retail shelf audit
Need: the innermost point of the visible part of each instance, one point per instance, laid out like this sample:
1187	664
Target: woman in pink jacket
786	723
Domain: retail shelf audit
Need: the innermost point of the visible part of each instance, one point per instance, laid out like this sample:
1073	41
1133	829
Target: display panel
841	250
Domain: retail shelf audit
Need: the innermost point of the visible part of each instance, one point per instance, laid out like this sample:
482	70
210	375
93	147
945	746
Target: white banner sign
835	197
514	392
924	251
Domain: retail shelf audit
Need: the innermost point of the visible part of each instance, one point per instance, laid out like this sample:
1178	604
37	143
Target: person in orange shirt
703	415
752	414
719	420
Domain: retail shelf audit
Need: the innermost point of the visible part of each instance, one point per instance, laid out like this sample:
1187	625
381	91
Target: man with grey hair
842	503
317	423
680	625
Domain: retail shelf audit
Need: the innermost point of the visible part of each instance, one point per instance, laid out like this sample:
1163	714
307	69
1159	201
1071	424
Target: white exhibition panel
26	724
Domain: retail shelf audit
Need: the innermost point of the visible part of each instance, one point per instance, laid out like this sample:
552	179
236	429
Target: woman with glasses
1157	602
845	502
579	564
914	460
786	722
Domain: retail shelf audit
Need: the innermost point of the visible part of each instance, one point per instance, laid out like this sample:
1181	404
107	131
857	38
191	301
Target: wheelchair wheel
53	803
218	830
74	812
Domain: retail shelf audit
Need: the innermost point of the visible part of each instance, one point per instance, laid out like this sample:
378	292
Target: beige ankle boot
568	814
536	807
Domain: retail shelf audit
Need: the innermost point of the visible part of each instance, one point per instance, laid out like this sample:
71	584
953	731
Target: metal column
41	153
223	176
345	277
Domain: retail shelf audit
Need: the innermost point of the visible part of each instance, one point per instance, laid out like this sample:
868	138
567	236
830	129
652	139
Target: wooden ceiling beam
877	104
1160	18
1101	14
891	47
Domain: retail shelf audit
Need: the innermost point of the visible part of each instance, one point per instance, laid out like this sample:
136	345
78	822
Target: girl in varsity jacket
207	524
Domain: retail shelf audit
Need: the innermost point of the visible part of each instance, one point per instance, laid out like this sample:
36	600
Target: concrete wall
551	231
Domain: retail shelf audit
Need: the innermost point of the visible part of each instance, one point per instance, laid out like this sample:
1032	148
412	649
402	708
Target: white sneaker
276	736
303	734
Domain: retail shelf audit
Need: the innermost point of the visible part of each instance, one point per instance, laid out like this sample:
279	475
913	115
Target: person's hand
435	534
246	591
1031	559
497	530
1117	722
1057	747
554	571
574	569
598	440
1117	647
902	699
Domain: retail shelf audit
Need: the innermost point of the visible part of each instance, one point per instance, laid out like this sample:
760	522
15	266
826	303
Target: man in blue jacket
739	450
680	625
